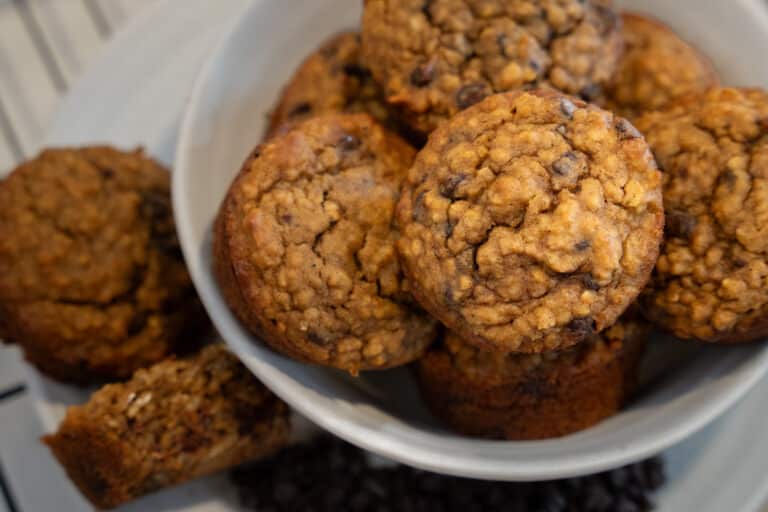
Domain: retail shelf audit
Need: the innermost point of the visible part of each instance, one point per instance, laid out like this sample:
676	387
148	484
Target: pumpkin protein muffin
539	396
332	79
92	281
170	423
657	67
437	57
711	281
531	221
305	246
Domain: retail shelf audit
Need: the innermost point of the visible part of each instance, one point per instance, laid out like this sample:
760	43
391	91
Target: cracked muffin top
657	67
332	79
305	246
92	281
437	57
531	221
711	281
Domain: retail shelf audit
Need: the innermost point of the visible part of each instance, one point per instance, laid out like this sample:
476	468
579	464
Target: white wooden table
44	45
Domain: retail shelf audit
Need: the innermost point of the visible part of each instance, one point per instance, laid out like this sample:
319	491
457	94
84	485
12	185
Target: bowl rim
400	449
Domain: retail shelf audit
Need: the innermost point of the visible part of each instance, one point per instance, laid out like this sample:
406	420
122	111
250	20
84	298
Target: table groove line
99	18
10	134
5	491
43	47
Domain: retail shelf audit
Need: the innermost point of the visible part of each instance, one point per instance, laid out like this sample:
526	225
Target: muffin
531	221
305	246
711	281
438	57
657	68
92	281
173	422
332	79
523	397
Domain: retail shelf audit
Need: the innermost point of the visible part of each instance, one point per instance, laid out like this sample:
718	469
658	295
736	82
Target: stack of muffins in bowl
479	188
503	196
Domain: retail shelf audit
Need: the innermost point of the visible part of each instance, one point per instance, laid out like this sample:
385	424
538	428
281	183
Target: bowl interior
686	385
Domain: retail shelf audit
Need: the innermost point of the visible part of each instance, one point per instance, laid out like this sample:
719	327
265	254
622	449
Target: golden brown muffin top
531	221
656	68
310	233
711	281
437	57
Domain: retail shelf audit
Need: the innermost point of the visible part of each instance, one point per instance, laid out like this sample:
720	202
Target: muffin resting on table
520	396
657	67
332	79
531	221
92	281
304	246
438	57
711	281
173	422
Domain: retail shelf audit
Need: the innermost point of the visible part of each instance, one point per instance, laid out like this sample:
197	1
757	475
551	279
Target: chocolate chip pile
330	475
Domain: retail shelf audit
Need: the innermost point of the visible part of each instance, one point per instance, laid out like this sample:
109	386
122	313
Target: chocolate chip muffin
305	246
170	423
332	79
711	281
531	221
521	397
437	57
657	67
92	281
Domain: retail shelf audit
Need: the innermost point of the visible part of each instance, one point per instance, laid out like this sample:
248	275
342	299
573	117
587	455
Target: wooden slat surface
27	90
73	35
44	45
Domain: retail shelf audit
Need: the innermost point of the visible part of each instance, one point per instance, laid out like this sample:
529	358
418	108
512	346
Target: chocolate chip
728	177
501	40
423	74
300	109
155	206
679	224
739	263
597	497
448	296
591	92
564	166
624	504
348	143
654	473
583	245
418	206
567	107
448	187
589	282
584	326
357	71
471	94
627	130
287	218
425	10
328	474
316	338
107	173
137	324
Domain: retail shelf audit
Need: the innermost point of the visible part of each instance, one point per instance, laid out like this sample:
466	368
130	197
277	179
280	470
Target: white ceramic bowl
382	412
